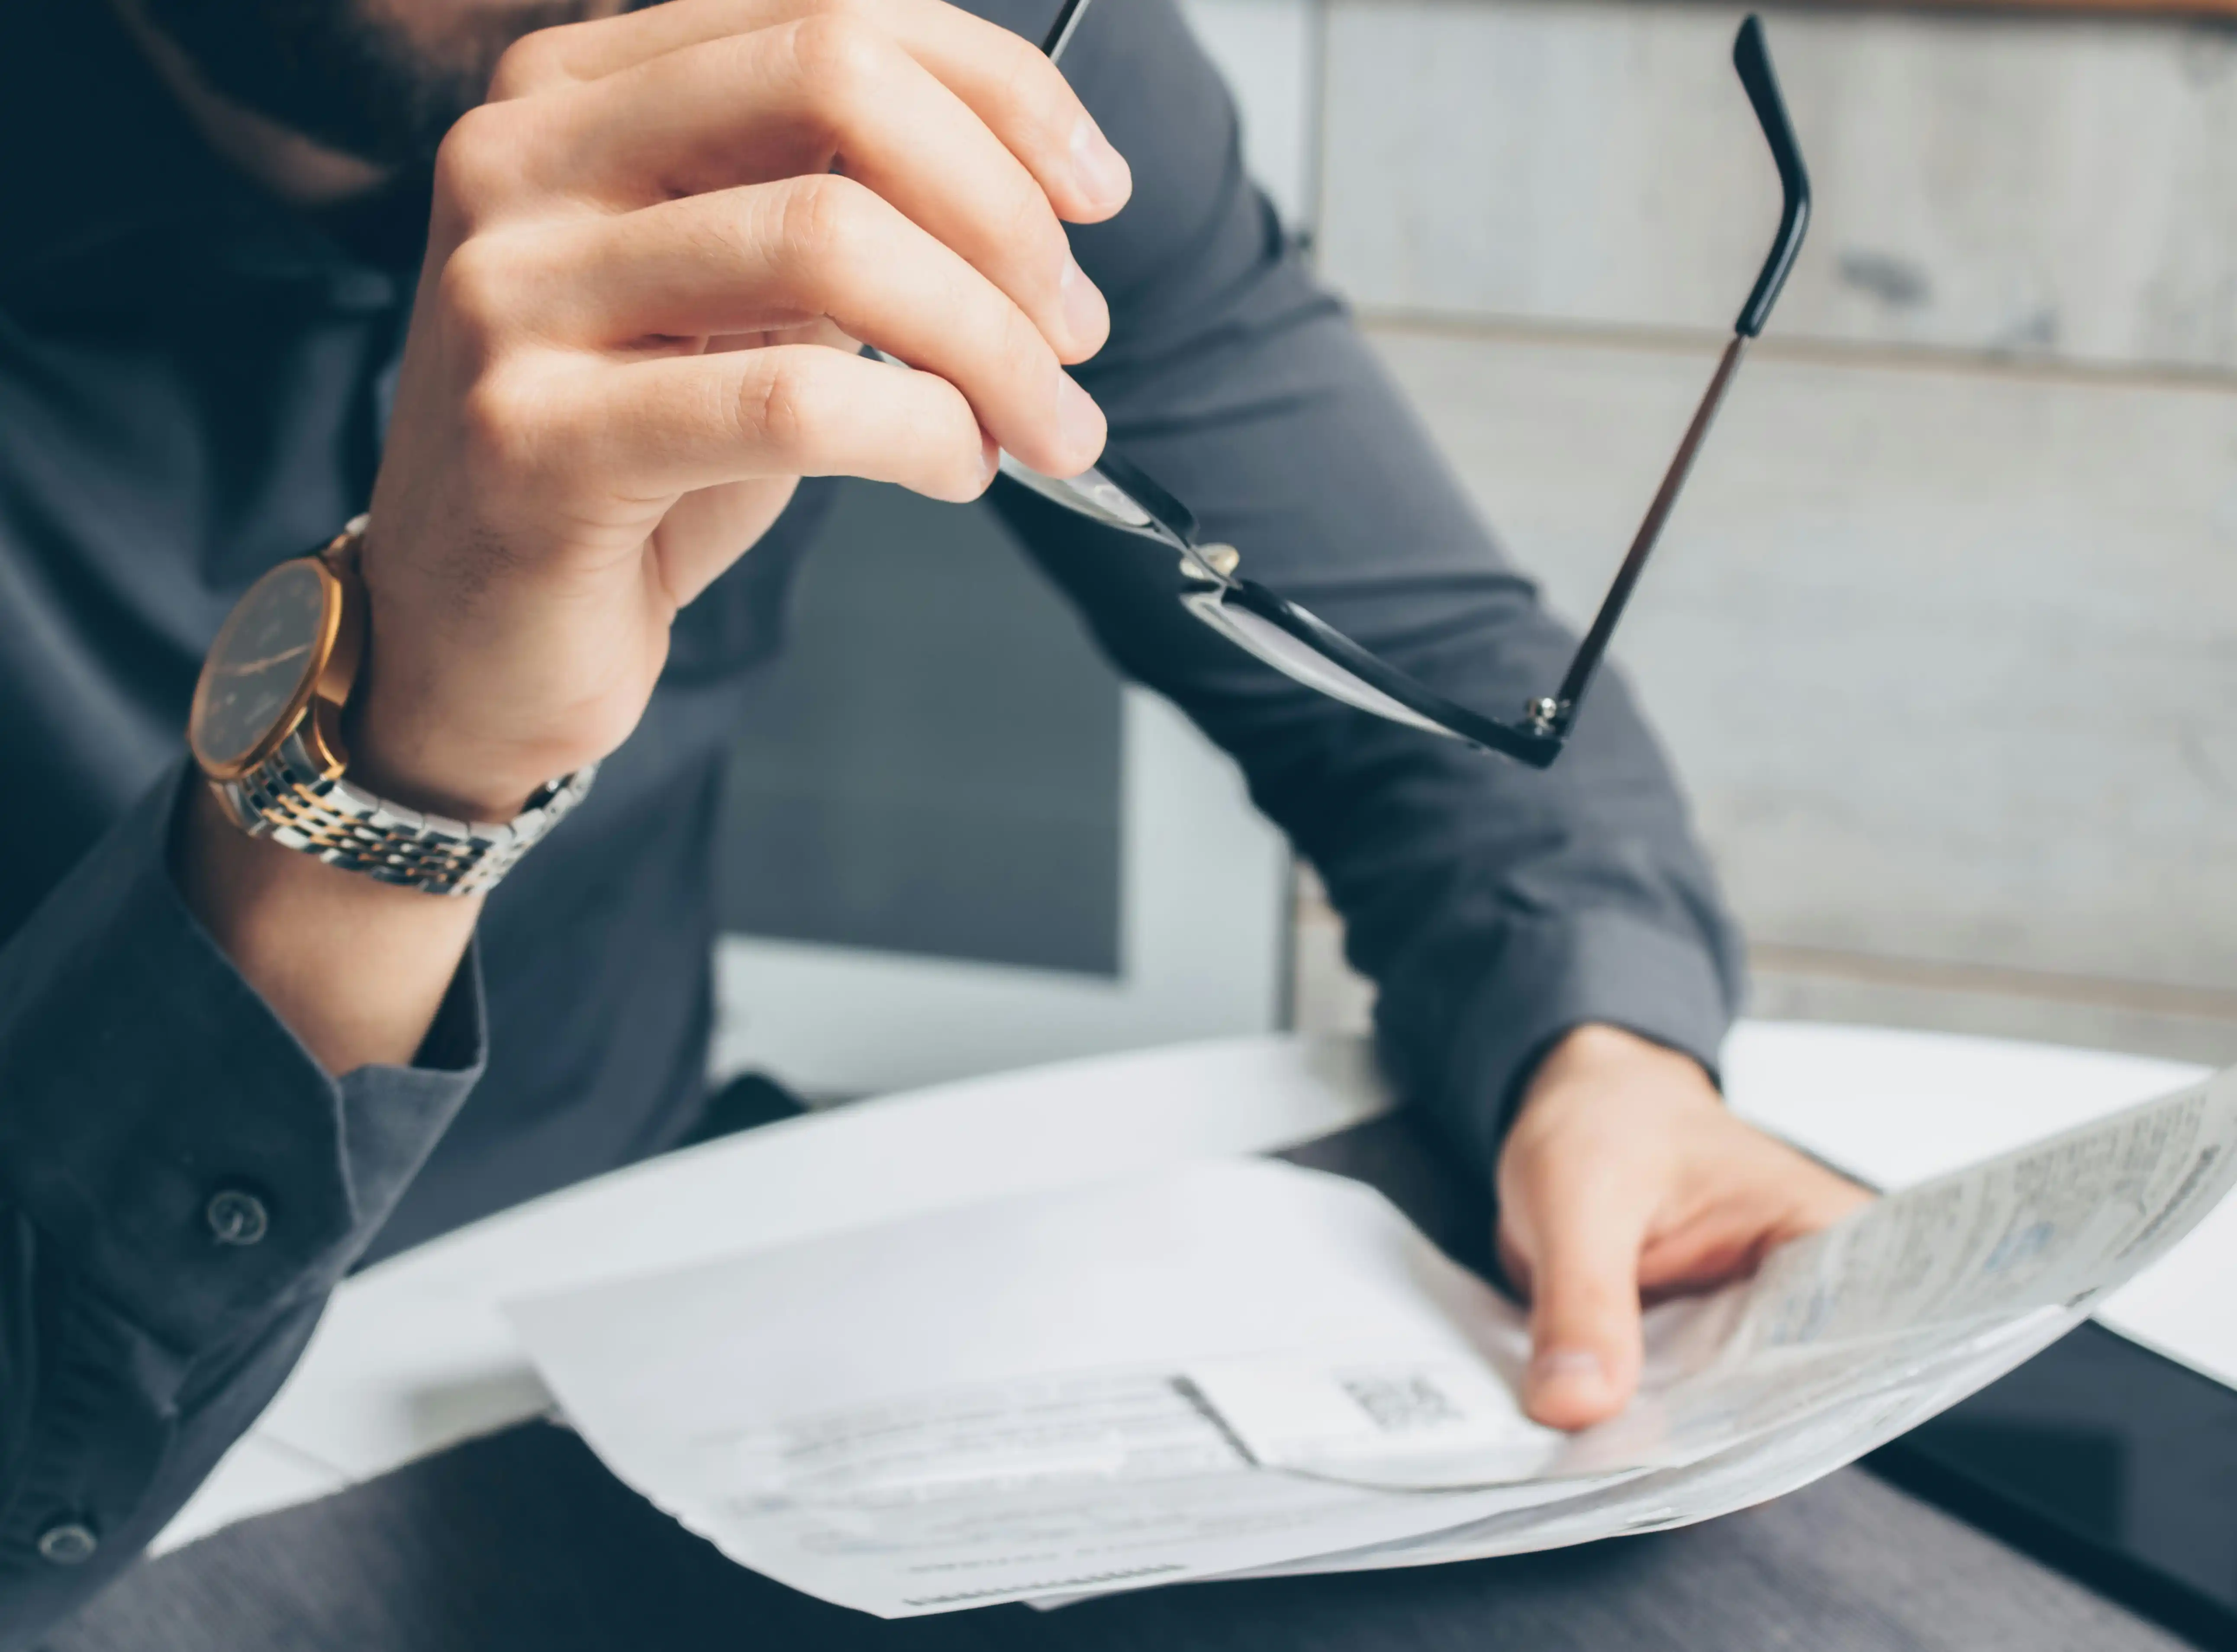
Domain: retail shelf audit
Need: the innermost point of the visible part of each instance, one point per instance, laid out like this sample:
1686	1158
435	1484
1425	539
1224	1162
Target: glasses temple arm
1059	34
1751	57
1555	718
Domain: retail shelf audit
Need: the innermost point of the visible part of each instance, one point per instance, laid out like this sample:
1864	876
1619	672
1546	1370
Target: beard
342	73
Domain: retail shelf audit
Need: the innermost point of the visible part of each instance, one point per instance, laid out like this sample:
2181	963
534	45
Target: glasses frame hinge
1546	716
1221	559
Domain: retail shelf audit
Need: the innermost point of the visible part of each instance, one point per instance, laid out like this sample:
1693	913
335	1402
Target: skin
1624	1180
652	252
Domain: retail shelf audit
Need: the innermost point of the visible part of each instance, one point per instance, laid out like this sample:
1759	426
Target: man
230	1071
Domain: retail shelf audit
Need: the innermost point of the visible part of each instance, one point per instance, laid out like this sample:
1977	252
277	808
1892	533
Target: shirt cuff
166	1132
1549	976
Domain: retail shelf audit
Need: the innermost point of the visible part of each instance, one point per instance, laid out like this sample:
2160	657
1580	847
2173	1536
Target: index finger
1005	80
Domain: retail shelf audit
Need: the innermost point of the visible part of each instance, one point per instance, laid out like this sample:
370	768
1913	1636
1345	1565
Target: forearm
1496	907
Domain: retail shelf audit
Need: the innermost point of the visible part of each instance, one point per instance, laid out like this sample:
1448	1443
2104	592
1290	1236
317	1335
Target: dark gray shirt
193	386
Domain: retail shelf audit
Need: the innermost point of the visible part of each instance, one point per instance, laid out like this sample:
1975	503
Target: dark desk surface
524	1541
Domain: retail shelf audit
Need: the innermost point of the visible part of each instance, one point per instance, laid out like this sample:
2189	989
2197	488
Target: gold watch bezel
324	690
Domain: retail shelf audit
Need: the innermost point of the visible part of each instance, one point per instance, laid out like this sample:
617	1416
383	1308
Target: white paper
990	1404
1240	1367
1848	1340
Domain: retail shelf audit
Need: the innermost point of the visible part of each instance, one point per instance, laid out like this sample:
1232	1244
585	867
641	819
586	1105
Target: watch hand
241	668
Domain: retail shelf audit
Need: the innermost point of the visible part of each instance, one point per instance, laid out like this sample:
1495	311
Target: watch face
259	672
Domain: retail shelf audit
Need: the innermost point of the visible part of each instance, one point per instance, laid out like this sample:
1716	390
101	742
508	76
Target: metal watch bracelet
288	798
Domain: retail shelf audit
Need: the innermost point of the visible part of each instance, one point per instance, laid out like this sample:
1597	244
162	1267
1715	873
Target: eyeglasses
1292	640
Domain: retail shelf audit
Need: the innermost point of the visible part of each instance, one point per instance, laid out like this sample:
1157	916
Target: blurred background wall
1943	637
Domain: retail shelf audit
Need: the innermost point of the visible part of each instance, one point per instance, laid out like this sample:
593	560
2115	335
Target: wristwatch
266	730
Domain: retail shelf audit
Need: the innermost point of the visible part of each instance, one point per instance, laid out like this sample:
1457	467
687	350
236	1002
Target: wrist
418	726
468	703
414	759
1595	1051
275	914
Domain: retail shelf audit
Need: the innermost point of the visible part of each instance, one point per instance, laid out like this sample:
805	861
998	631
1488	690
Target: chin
378	80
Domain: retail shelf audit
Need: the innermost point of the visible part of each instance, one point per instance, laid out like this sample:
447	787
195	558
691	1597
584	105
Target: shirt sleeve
180	1187
1495	906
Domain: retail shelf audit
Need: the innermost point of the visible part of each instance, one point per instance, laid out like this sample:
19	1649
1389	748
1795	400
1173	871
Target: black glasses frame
1119	494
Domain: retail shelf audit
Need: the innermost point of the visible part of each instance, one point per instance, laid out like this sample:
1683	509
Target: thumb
1584	1314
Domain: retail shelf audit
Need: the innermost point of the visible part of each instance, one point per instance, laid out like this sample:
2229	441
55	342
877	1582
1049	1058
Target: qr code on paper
1401	1404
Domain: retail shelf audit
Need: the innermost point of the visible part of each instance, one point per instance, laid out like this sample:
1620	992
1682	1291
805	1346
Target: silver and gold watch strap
291	799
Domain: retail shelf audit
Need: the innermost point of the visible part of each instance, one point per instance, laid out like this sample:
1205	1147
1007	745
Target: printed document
1239	1367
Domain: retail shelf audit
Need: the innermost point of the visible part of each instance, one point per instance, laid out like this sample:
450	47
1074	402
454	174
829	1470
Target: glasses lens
1096	496
1301	662
1090	493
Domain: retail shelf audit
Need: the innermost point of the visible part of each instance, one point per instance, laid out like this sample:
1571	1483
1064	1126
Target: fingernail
990	461
1078	421
1104	176
1576	1373
1084	316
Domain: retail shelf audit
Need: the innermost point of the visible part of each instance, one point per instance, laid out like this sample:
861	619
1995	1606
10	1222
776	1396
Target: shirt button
68	1543
236	1217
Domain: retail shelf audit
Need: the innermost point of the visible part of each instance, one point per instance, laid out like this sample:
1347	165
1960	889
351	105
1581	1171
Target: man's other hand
652	254
1624	1180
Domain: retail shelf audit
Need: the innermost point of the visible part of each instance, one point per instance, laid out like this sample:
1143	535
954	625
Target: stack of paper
1240	1367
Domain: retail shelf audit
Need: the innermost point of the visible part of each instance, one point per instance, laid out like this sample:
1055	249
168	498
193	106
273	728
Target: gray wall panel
1949	659
2050	187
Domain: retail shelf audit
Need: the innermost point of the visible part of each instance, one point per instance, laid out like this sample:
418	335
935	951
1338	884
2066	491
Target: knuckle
1030	221
544	61
825	224
948	433
530	64
944	433
781	409
1032	85
476	161
840	59
1020	354
498	424
475	287
1035	89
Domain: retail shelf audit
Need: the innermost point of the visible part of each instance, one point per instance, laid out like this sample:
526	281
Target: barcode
1401	1404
